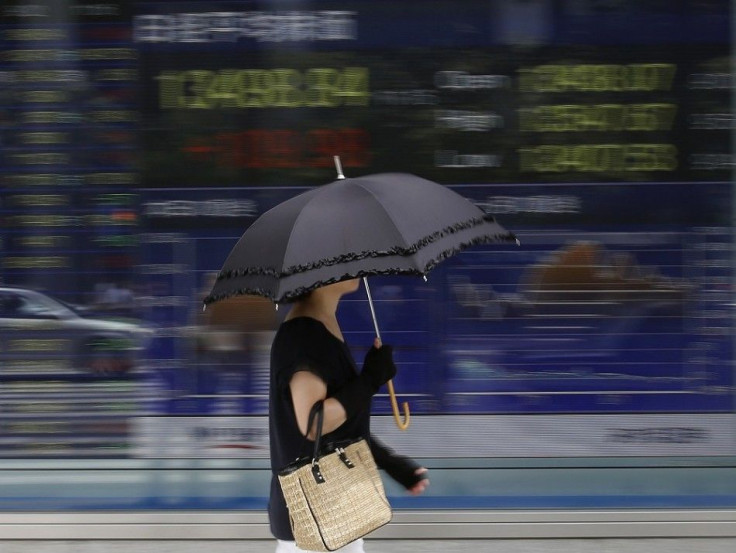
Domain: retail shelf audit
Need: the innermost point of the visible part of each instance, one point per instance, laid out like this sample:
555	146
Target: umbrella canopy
383	224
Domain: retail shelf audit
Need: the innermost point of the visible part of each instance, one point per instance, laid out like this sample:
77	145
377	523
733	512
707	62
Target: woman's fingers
420	486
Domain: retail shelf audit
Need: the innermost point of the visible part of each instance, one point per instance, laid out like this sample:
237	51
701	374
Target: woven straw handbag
336	496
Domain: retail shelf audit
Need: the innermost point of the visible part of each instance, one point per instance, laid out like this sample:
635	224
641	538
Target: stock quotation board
600	134
70	338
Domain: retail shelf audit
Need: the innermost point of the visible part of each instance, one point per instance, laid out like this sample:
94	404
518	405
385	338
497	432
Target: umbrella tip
338	167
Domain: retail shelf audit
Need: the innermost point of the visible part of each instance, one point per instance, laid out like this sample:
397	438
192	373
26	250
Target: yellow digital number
42	241
651	157
44	137
168	89
321	86
353	86
263	88
35	34
597	77
39	200
224	88
598	158
45	97
286	88
47	262
597	117
199	84
49	158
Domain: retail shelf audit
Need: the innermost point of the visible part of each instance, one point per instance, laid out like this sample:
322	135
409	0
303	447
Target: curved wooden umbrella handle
403	425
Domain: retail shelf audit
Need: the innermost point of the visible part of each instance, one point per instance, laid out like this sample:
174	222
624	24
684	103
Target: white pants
290	547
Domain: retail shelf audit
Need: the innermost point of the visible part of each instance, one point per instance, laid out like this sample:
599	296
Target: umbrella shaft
403	425
373	310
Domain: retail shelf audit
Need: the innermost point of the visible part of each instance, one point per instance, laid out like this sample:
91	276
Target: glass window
589	367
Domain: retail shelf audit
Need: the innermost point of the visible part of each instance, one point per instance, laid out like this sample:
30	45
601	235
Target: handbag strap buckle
344	458
317	473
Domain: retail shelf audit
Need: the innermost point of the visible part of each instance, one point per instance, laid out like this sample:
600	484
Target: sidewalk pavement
648	545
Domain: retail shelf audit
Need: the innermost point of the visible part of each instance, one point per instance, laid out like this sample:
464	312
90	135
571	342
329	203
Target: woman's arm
402	469
307	389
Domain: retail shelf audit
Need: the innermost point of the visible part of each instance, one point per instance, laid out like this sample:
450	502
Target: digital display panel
143	138
470	93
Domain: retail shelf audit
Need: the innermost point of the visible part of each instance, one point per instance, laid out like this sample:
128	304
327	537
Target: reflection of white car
39	334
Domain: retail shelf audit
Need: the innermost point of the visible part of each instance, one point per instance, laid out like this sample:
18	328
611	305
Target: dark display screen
471	92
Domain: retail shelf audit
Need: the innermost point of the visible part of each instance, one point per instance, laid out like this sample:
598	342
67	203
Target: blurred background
591	367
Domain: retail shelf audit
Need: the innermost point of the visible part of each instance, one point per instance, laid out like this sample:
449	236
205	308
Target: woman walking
310	361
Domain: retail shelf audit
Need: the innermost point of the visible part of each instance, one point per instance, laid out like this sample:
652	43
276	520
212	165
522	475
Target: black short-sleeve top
301	344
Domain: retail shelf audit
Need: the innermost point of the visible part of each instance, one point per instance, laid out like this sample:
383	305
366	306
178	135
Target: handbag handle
318	411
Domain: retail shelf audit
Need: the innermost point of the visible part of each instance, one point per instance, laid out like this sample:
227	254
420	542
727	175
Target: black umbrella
383	224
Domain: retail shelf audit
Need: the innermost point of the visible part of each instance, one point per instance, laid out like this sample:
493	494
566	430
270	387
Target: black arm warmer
378	368
400	468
